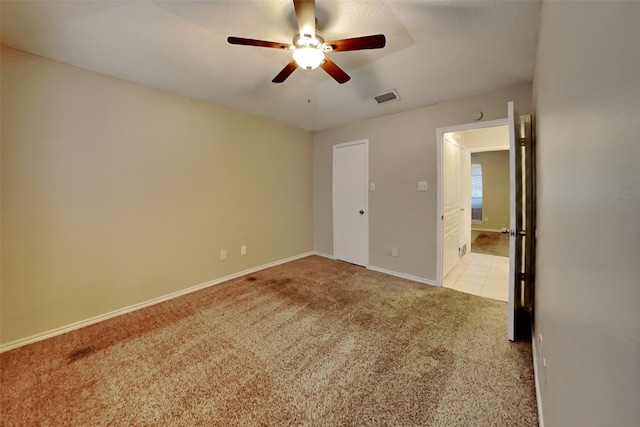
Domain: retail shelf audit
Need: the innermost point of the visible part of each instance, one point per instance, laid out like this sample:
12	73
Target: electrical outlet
389	251
243	250
394	251
223	255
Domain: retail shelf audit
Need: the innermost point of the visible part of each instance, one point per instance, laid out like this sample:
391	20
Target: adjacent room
485	187
237	213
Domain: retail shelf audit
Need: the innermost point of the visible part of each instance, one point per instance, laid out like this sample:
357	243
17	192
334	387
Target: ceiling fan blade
358	43
334	71
306	16
259	43
286	72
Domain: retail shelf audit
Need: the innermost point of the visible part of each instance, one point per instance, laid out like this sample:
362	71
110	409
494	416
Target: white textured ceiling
436	50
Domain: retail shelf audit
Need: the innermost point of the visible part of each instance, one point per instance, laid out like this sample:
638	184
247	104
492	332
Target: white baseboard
325	255
81	324
403	275
384	271
536	377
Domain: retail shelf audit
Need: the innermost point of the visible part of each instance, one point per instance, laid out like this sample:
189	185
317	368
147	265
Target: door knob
511	232
361	212
508	231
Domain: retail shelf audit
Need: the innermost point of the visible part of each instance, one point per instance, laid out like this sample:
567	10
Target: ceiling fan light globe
308	58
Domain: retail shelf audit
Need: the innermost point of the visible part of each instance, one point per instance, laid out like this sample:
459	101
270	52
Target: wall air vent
389	96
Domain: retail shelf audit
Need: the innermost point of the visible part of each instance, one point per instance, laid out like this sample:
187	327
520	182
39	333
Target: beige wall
587	85
402	151
495	189
114	193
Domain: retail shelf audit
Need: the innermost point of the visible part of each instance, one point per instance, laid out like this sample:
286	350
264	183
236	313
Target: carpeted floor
313	342
490	243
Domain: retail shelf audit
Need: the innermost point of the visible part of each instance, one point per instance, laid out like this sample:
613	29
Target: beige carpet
490	243
313	342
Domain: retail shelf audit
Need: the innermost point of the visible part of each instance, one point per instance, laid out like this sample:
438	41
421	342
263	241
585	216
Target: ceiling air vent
389	96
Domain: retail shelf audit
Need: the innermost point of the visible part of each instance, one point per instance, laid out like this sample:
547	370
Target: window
476	192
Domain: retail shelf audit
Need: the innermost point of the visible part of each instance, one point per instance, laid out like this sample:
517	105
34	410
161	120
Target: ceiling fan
309	47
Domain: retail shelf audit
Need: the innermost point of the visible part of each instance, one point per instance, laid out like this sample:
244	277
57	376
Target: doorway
521	214
476	260
490	191
450	139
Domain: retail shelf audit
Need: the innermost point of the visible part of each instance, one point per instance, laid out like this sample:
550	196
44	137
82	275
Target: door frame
366	193
465	174
439	212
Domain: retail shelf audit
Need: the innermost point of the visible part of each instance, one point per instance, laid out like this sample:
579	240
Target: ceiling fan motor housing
301	41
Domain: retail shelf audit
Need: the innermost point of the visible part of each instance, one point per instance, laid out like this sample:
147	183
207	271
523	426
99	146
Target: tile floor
480	274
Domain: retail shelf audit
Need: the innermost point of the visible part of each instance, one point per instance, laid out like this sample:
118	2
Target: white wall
587	91
402	151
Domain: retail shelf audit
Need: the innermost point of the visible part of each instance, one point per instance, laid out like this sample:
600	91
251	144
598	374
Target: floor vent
389	96
462	250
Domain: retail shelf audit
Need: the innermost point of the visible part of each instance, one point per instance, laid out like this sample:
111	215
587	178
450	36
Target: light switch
372	186
423	185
